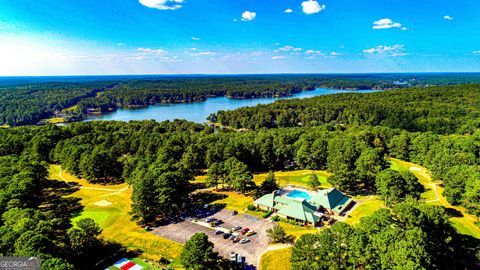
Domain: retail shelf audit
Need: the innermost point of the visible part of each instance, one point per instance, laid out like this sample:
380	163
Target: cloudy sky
44	37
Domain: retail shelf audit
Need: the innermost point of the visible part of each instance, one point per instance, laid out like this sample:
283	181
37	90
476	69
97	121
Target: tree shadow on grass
452	212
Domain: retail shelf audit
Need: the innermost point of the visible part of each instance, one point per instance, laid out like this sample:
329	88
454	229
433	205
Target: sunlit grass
56	120
234	201
276	259
296	230
369	206
296	178
115	220
466	223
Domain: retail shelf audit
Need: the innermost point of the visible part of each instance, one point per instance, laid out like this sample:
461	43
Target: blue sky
45	37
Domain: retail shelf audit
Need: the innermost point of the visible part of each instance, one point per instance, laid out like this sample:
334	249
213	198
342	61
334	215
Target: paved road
182	231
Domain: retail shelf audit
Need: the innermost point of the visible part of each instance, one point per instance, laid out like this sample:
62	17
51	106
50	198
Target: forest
160	161
27	102
434	109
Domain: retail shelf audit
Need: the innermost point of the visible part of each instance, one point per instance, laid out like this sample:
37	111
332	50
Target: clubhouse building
305	207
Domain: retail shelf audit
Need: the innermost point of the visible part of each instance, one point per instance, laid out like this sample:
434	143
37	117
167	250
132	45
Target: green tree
277	235
269	184
198	253
314	182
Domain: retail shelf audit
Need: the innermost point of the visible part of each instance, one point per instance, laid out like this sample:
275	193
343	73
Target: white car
244	241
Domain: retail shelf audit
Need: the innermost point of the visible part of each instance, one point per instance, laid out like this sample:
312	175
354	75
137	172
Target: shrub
251	207
275	218
267	214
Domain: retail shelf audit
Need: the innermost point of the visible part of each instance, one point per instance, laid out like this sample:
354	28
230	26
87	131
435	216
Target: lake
199	111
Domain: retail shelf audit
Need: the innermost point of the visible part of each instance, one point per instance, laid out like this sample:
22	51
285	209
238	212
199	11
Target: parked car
210	219
218	222
217	232
245	230
226	236
236	228
234	212
205	206
236	239
249	233
244	241
233	256
232	237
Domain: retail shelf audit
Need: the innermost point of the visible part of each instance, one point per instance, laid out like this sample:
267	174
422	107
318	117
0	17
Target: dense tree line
34	221
160	152
434	109
25	103
413	235
28	104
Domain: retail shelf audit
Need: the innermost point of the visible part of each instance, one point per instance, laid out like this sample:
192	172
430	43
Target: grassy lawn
114	218
234	201
276	259
297	178
55	120
296	230
365	208
466	223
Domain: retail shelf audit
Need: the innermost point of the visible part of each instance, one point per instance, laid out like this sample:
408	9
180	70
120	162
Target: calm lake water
199	111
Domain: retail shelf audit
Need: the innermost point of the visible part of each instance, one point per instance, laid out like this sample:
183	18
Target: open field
285	178
278	259
114	218
433	195
234	201
56	120
366	206
296	230
297	178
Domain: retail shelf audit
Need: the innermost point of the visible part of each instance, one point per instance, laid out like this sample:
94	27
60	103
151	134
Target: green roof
301	210
266	200
331	199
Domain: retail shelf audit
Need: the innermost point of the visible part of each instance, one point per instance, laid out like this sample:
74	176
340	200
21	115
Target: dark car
226	236
218	222
234	213
232	237
210	219
217	232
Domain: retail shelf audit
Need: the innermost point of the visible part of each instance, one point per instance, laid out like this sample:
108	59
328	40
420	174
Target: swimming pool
298	194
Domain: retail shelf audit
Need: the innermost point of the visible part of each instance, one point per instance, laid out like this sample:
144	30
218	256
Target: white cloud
386	24
148	51
288	10
313	52
248	16
288	49
394	50
278	57
162	4
312	7
334	54
195	38
448	18
476	52
203	54
404	28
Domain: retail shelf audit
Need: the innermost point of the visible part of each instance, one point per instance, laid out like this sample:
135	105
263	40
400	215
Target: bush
275	218
267	214
251	207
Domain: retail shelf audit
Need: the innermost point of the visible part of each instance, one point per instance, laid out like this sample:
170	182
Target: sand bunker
103	203
415	169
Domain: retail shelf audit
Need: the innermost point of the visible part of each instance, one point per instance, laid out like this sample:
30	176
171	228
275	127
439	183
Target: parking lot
182	231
